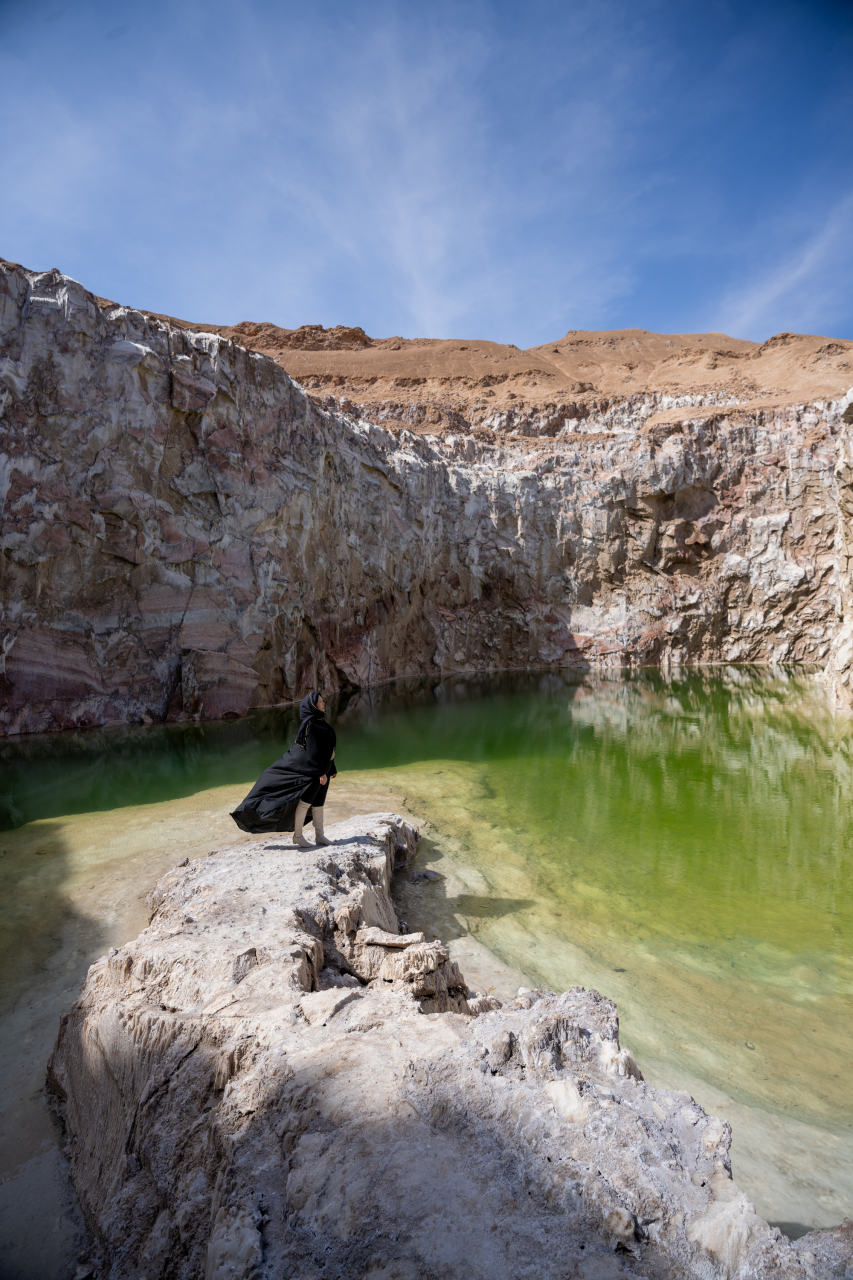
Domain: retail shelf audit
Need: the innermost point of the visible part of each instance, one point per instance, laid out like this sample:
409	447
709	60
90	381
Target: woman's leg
319	834
302	808
317	805
299	817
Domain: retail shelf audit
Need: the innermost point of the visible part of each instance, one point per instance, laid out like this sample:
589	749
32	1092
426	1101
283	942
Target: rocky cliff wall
436	385
186	534
273	1081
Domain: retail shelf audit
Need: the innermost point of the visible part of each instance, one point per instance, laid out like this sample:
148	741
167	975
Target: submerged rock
272	1081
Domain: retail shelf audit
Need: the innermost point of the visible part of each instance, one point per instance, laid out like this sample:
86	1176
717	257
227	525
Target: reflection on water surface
683	844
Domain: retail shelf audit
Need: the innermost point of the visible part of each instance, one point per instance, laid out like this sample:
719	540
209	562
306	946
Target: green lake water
684	844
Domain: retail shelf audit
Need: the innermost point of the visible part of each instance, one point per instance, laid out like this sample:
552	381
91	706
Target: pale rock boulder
266	1083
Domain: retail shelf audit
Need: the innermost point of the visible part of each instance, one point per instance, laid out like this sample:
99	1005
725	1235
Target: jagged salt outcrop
273	1081
186	534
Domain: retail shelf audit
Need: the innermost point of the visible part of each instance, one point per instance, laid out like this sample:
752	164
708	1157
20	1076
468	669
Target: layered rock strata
273	1081
583	381
186	534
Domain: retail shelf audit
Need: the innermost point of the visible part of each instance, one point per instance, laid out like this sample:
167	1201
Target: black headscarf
309	713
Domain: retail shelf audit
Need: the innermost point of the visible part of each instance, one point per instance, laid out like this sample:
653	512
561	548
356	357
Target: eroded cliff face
273	1081
580	381
186	534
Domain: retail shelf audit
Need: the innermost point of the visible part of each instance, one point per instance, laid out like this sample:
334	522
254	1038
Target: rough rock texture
186	534
839	666
263	1084
584	381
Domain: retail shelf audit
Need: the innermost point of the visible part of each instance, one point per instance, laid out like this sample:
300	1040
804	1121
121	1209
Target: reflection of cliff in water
732	796
91	770
734	782
468	717
96	769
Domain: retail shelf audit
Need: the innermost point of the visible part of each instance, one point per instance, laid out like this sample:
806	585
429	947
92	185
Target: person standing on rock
293	790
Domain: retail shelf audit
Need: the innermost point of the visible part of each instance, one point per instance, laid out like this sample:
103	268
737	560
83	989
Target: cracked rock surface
274	1081
186	534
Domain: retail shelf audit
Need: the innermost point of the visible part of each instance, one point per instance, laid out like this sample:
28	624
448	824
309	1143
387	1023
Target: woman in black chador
293	789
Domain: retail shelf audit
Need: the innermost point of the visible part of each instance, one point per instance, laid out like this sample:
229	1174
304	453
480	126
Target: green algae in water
683	844
698	815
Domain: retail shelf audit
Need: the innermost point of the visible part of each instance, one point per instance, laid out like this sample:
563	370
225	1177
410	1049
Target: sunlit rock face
272	1081
186	534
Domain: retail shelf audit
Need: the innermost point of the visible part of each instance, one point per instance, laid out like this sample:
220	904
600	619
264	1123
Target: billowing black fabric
271	804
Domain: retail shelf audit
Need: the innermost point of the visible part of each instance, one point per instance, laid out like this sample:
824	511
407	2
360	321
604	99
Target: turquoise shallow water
685	844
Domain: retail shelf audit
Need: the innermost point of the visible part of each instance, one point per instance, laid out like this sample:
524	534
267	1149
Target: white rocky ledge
272	1081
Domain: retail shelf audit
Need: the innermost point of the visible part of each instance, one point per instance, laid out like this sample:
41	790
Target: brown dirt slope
440	385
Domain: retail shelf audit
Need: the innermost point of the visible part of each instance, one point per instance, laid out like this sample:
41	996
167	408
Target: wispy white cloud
808	286
453	169
416	197
374	180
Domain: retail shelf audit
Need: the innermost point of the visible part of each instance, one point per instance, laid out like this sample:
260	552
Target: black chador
290	792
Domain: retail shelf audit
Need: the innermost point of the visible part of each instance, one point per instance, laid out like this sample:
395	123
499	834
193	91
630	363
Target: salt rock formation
273	1081
187	534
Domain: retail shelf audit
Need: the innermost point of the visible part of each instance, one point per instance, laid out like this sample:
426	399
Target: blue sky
482	170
